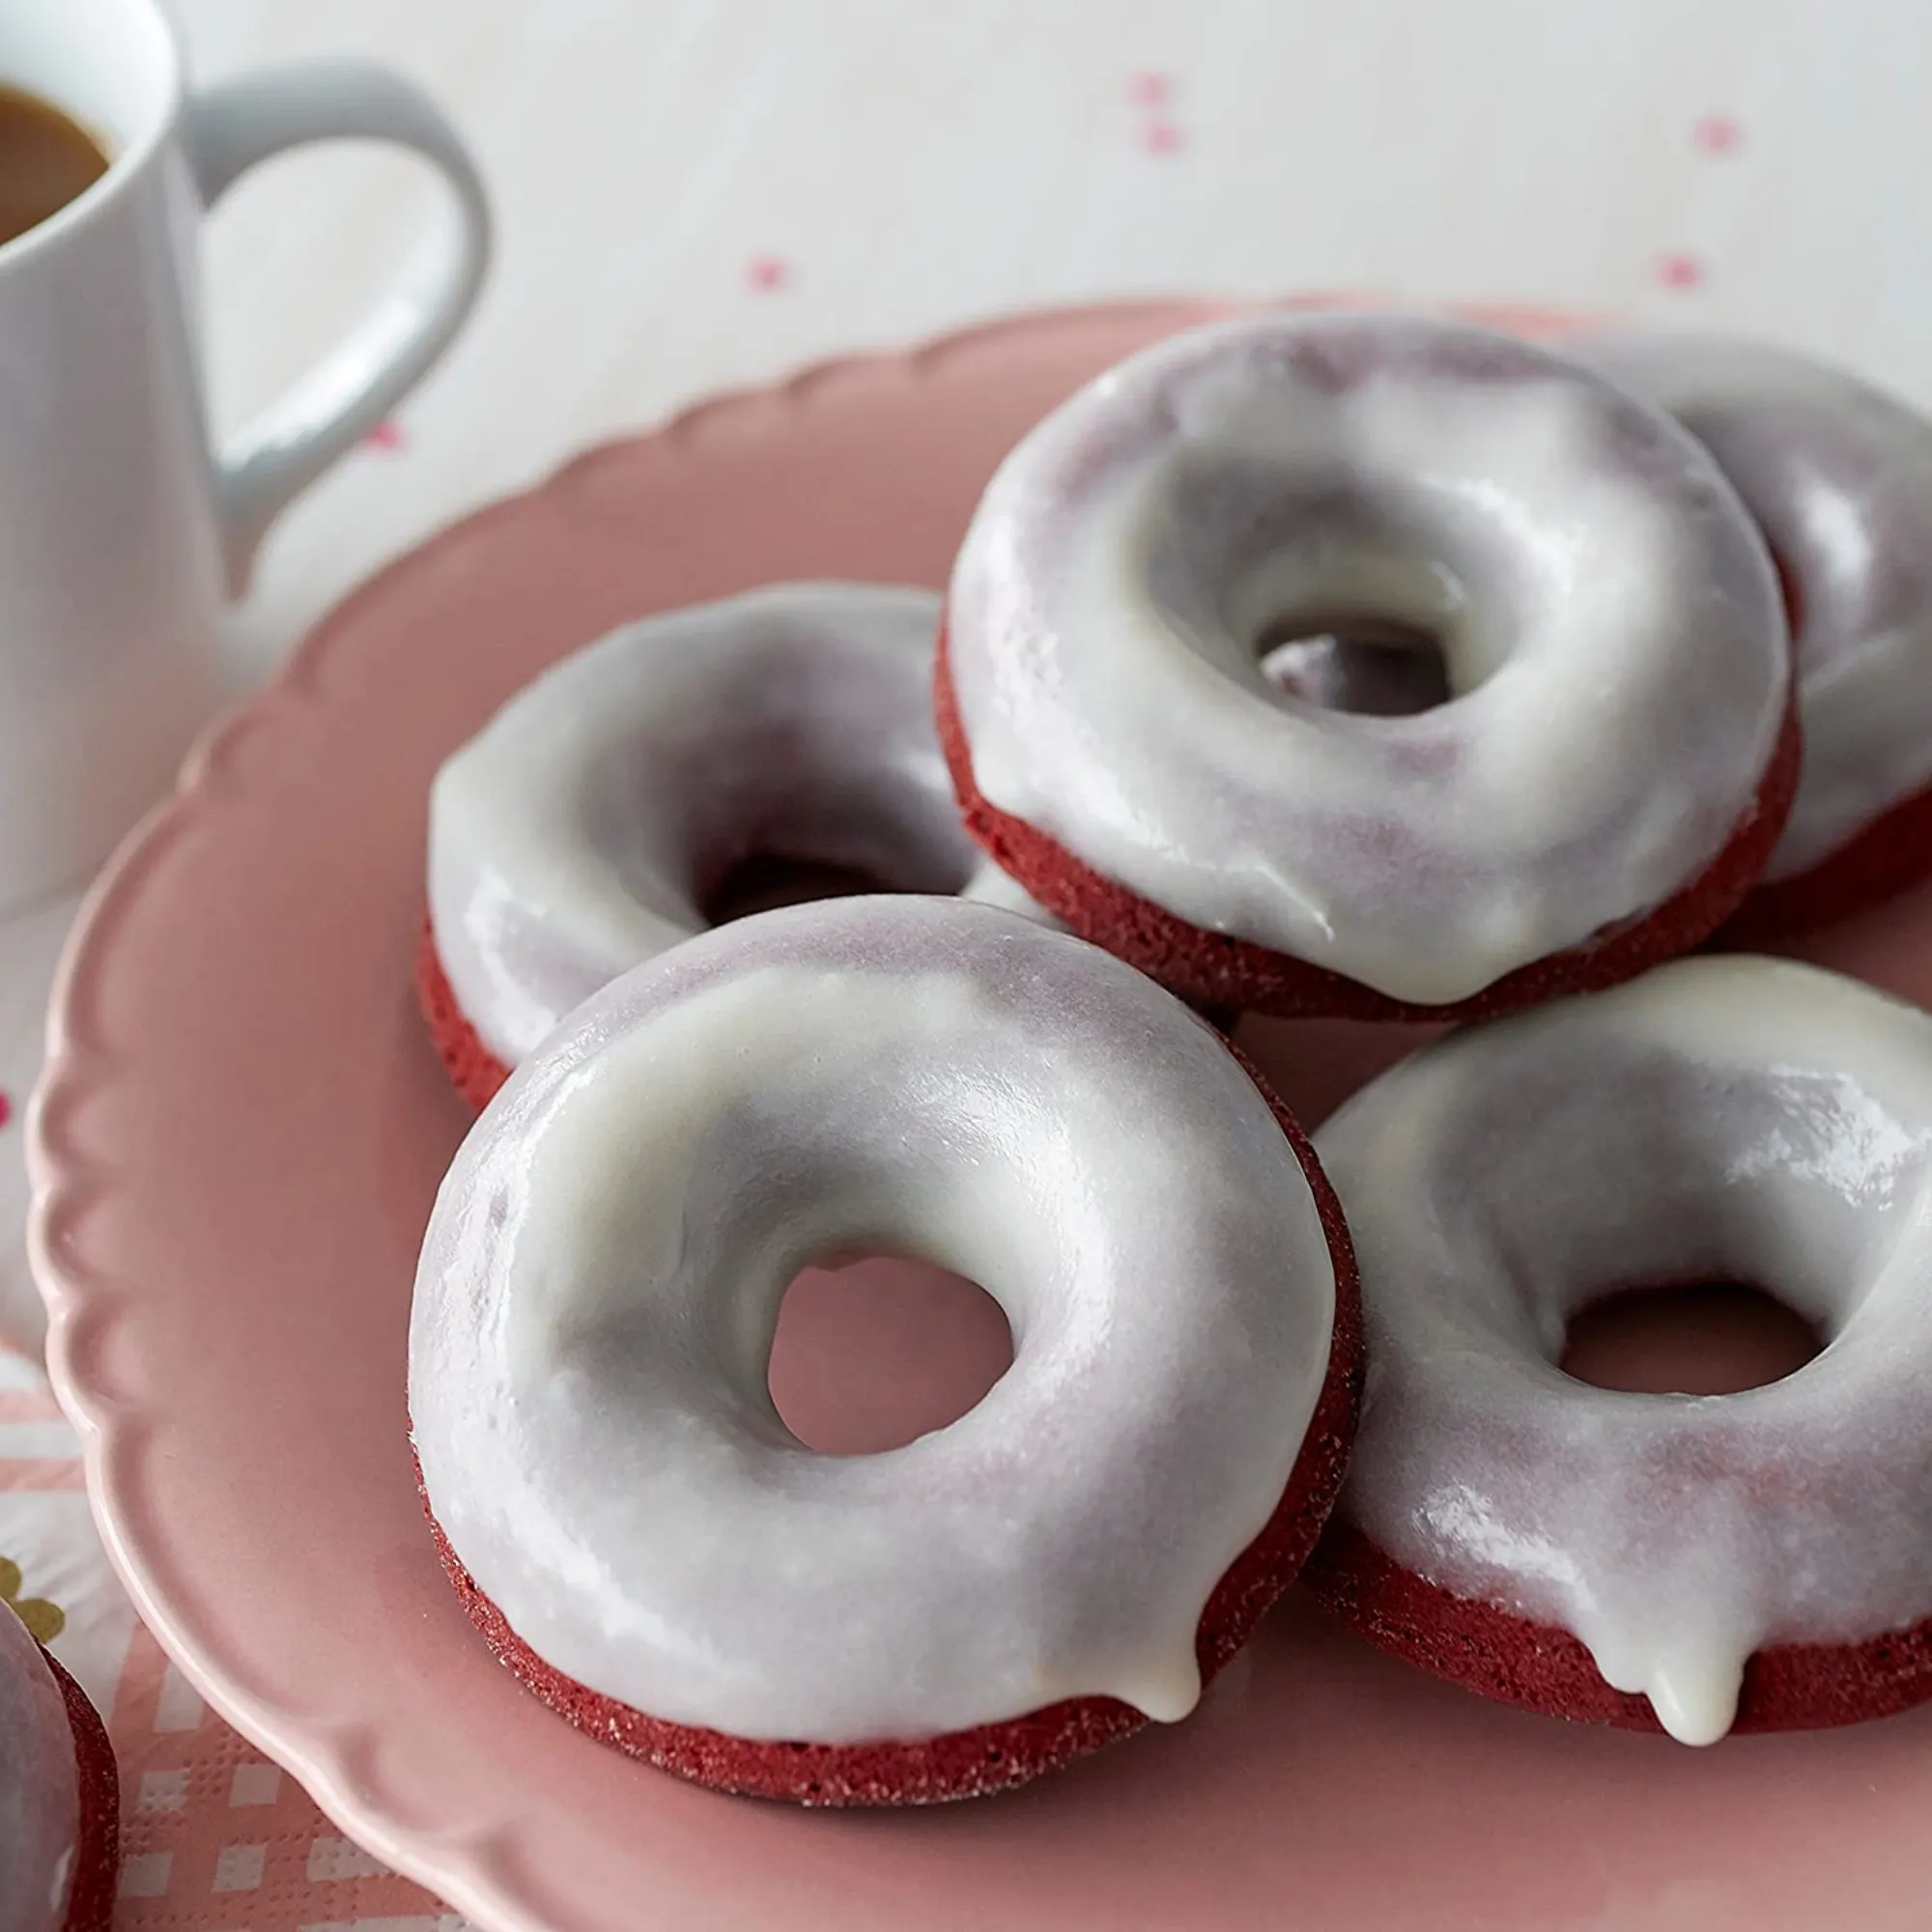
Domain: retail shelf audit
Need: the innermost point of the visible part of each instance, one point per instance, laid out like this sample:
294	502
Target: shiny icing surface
582	830
1723	1118
1607	616
40	1789
1840	477
601	1282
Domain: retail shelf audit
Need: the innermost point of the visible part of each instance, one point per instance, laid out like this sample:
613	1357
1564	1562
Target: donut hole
763	881
772	872
1695	1229
1690	1338
1376	667
872	1354
1322	594
818	779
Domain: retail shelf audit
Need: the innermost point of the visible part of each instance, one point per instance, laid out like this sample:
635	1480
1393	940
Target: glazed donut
1839	476
1756	1561
1606	784
60	1817
585	828
651	1551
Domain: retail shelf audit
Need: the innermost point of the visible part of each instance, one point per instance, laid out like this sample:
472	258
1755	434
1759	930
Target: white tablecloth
701	192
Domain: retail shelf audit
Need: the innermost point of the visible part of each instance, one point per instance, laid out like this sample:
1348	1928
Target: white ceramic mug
122	532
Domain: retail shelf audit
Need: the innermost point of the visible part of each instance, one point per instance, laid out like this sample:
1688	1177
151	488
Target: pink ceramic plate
237	1143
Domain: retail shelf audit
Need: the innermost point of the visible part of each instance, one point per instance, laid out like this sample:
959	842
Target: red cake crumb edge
96	1863
1511	1659
473	1069
990	1757
1212	969
1876	864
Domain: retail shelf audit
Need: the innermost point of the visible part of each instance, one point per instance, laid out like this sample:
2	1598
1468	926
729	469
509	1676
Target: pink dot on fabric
767	274
385	436
1679	271
1149	90
1715	135
6	1106
1163	138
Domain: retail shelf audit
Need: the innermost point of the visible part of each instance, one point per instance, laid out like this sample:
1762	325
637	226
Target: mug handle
231	127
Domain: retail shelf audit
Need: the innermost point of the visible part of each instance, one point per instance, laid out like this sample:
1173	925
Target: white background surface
921	162
693	193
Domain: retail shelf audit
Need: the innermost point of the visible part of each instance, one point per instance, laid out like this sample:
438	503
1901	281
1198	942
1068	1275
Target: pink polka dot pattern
1715	135
1680	270
1151	93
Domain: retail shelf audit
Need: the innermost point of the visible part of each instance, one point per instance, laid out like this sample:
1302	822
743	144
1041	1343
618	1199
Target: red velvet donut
1748	1560
1838	475
1369	668
681	771
1101	1002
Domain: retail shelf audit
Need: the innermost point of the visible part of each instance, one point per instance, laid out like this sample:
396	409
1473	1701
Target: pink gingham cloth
214	1838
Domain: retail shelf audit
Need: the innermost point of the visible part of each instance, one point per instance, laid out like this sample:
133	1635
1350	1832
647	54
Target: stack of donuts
1315	665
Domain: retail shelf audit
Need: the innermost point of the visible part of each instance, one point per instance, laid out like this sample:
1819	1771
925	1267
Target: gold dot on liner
44	1621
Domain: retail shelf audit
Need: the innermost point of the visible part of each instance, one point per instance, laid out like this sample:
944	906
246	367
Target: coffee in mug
46	161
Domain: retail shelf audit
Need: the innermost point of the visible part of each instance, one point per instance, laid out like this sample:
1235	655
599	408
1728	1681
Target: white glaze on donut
579	833
1609	614
1729	1119
1840	477
40	1787
602	1276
